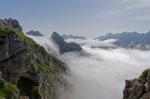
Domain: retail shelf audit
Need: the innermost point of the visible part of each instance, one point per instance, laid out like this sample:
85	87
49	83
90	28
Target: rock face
34	33
64	46
138	88
10	24
27	71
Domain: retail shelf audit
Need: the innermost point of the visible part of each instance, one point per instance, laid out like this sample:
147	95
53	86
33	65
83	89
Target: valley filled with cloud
99	72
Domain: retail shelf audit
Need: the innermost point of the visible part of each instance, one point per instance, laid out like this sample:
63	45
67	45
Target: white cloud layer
102	73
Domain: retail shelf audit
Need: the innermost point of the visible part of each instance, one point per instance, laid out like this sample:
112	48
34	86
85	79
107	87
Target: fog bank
102	73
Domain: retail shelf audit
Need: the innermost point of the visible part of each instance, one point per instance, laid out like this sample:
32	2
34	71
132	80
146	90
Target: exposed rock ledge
138	88
27	71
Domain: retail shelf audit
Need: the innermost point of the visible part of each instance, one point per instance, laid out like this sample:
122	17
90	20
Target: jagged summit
56	37
10	24
63	45
27	71
34	33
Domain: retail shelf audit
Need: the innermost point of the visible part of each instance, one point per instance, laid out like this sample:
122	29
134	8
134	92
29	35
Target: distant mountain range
34	33
132	40
59	40
65	36
129	40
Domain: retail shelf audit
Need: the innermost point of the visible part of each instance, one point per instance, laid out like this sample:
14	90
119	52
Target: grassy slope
7	89
48	70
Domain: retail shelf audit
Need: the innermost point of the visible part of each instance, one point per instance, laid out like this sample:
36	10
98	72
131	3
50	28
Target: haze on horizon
79	17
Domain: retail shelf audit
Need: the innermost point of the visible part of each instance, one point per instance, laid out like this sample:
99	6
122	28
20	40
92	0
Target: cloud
47	43
90	42
102	73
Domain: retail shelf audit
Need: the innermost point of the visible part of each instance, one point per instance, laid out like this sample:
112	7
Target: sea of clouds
100	74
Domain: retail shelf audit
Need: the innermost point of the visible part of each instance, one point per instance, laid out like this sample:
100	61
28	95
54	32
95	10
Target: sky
79	17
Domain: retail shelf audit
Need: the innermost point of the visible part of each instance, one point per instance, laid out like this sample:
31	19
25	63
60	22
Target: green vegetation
48	70
4	31
34	46
7	90
37	92
21	36
144	74
43	68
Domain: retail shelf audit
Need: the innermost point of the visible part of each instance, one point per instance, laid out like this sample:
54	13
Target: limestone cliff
27	71
138	88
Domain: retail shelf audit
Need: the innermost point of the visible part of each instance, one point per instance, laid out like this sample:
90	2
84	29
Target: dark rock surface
11	24
34	33
64	46
26	65
138	88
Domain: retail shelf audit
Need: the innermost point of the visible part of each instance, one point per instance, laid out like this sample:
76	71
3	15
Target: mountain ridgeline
133	40
63	45
34	33
27	71
65	36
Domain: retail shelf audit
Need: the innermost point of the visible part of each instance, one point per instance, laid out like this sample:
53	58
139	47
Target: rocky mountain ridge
63	45
27	71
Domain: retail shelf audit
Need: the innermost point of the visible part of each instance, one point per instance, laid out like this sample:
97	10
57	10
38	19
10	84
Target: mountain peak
10	24
34	33
56	36
63	45
25	66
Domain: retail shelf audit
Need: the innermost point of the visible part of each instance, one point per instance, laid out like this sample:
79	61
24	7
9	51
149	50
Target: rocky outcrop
27	71
10	24
138	88
64	46
34	33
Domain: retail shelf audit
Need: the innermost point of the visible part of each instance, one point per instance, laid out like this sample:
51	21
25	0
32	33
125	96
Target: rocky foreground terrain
27	71
138	88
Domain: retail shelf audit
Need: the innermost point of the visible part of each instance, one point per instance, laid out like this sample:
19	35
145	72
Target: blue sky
79	17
